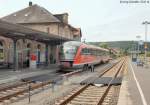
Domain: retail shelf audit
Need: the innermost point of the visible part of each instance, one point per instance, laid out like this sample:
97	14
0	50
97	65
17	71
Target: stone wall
23	46
53	28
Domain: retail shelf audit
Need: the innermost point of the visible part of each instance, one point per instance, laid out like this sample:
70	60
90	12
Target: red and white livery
75	54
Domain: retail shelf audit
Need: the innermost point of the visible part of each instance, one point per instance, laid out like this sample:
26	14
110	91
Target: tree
103	45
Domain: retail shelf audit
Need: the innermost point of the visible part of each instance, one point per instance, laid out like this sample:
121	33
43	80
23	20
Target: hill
126	45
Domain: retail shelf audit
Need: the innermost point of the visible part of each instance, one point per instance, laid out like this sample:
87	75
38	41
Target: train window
85	51
96	52
92	51
101	53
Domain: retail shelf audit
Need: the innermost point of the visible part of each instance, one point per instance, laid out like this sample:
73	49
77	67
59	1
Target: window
85	51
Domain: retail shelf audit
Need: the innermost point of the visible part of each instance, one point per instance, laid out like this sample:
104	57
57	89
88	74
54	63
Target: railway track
17	91
94	95
13	92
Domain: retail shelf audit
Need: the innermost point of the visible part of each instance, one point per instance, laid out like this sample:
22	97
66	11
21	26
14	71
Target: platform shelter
16	32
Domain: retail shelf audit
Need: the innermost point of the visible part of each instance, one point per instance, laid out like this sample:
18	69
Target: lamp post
146	23
84	40
138	37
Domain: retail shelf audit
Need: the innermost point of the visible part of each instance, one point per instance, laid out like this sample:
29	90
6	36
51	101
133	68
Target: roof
76	43
61	17
16	31
73	43
31	14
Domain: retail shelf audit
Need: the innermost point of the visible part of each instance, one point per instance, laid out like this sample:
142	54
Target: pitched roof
61	17
31	14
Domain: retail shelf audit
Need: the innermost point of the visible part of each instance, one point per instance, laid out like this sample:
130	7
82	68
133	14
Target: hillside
129	45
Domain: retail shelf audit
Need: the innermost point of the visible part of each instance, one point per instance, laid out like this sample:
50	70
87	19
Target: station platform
135	87
8	75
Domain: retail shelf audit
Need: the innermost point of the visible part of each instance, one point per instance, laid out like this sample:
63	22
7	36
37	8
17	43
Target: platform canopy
16	31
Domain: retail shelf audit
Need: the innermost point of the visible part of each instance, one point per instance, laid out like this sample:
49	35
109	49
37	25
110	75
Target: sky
100	20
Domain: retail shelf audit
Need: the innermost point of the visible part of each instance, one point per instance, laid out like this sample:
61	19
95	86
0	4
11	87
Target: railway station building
38	19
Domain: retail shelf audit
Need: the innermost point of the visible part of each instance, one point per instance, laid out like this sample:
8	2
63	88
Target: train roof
96	47
76	43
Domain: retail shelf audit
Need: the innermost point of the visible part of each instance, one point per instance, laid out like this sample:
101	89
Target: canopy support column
15	54
46	54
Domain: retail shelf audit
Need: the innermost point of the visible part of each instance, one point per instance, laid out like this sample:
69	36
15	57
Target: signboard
33	59
145	46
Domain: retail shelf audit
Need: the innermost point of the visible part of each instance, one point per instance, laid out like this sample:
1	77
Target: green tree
103	45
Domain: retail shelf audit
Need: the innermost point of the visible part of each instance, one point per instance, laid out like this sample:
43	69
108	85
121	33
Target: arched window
28	51
28	55
28	45
38	46
18	45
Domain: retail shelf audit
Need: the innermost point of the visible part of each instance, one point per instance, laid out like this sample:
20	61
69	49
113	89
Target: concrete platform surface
8	75
135	89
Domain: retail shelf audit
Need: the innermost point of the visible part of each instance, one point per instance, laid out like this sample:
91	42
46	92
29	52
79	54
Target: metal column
15	54
46	54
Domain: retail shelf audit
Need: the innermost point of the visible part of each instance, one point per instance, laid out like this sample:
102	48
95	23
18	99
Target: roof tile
31	14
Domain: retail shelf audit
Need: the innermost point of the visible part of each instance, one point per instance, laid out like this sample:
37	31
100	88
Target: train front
67	54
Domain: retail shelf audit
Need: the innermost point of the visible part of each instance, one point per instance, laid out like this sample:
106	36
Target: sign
145	46
33	57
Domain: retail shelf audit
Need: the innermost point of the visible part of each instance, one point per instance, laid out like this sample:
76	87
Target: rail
70	98
27	86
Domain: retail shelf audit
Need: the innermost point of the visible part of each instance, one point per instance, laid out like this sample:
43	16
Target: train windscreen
67	52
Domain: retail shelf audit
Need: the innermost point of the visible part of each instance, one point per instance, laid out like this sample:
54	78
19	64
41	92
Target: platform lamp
146	23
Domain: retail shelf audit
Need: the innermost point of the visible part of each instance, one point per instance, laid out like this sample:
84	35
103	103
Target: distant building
37	18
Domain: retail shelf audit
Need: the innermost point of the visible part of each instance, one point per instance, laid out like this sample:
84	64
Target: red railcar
80	55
